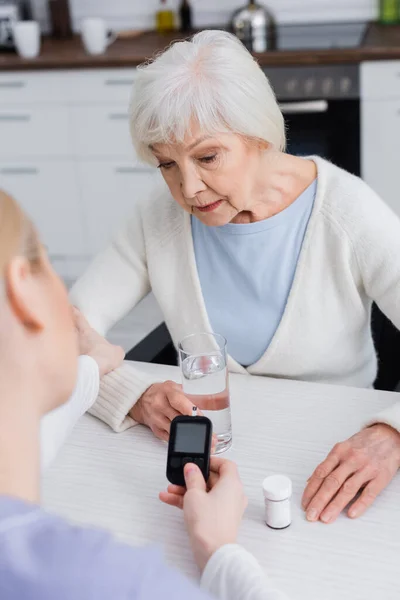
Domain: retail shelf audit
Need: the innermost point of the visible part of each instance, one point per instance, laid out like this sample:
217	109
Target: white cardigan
350	256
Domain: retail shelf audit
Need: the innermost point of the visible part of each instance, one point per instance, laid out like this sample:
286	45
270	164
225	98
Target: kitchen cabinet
109	190
101	131
48	191
100	86
28	131
380	129
67	157
26	87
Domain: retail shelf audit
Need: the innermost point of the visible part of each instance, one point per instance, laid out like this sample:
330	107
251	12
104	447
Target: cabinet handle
19	171
301	108
12	84
118	117
121	82
15	118
130	170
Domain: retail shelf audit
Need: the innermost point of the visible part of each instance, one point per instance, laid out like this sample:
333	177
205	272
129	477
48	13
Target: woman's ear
22	292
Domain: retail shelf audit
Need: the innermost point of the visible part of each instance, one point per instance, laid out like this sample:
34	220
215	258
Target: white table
113	481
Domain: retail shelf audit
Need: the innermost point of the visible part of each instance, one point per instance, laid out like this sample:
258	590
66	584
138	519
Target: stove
320	36
321	102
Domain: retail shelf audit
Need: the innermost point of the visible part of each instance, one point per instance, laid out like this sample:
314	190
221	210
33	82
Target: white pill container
277	491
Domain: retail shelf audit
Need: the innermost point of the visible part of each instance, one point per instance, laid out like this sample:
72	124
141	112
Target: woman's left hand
369	460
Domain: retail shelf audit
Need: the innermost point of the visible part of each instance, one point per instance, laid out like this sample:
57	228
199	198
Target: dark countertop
380	43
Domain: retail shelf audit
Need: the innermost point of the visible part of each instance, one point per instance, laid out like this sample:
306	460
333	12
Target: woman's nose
192	184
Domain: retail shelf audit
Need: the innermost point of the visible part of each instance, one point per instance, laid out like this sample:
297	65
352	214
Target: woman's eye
166	165
208	159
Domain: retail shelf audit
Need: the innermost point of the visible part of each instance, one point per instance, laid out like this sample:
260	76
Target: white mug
96	38
27	38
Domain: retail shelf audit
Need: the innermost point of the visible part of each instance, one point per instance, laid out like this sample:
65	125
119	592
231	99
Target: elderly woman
280	254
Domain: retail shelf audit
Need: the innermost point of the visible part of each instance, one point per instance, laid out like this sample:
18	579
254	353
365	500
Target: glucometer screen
190	438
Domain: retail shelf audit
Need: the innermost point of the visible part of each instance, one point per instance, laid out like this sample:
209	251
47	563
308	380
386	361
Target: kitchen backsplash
121	14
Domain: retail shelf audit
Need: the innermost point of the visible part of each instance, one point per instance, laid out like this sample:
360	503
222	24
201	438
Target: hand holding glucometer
190	442
208	522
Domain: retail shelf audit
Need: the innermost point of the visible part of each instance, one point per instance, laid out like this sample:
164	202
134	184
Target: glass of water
203	361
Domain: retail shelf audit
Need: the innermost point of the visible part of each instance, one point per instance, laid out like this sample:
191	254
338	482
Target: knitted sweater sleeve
375	234
113	284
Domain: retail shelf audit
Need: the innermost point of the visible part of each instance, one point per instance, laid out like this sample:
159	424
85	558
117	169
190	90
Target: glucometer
189	442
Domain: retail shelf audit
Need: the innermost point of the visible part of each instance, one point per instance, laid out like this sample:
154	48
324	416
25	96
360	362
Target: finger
212	480
329	488
176	489
222	466
170	413
347	492
171	499
194	478
171	386
161	434
80	320
369	494
180	403
318	477
165	425
161	422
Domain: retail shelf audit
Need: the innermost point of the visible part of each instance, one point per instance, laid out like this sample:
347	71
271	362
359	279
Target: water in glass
205	383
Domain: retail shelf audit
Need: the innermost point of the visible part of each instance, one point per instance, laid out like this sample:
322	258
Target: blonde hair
18	236
210	79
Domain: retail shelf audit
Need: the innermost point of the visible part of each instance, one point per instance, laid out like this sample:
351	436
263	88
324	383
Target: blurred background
67	69
139	14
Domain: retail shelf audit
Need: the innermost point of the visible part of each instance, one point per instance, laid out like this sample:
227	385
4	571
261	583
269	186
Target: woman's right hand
107	356
212	516
159	405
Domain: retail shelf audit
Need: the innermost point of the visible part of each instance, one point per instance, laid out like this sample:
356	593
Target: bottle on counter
389	12
60	19
277	494
165	18
186	16
26	10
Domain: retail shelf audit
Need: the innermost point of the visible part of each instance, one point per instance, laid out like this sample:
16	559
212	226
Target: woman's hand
159	405
91	343
369	460
212	516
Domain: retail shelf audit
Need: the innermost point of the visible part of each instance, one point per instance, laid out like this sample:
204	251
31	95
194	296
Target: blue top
246	273
44	558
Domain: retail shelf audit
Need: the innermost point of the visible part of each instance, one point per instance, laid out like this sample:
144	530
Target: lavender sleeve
42	558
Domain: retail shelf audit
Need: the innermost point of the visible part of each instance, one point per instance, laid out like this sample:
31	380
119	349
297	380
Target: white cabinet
49	193
380	129
27	131
109	191
380	79
381	155
100	86
32	88
67	157
101	131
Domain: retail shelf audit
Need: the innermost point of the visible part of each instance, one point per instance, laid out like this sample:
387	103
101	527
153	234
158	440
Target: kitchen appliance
10	13
321	106
321	103
319	36
254	25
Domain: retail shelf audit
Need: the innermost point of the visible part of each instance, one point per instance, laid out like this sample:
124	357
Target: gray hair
210	80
